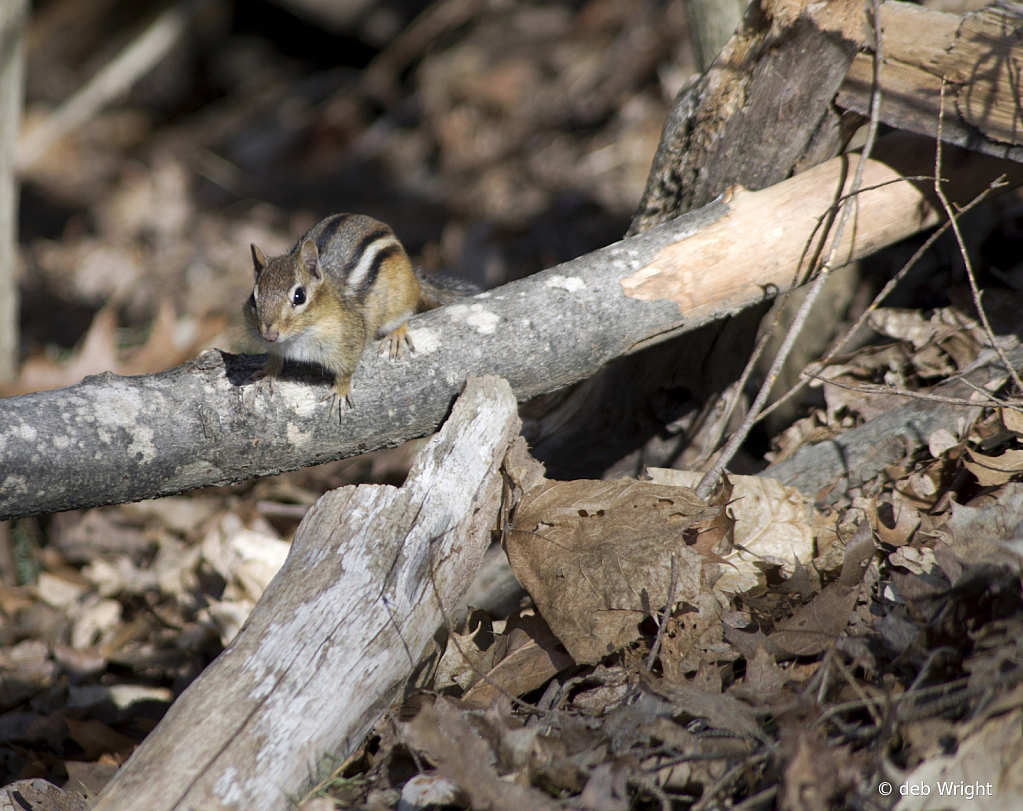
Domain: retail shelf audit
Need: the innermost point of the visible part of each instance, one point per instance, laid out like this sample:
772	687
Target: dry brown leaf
897	521
468	653
988	761
720	710
772	524
463	757
818	776
923	487
815	626
992	471
688	637
99	352
596	557
1012	420
716	536
763	676
806	431
990	531
532	661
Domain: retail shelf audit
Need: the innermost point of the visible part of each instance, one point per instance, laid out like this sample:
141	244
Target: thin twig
710	479
665	614
878	299
782	301
962	246
871	388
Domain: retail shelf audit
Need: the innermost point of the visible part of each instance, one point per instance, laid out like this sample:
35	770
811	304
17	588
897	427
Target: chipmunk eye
298	297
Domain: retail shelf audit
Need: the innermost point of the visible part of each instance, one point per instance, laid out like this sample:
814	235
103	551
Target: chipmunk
346	281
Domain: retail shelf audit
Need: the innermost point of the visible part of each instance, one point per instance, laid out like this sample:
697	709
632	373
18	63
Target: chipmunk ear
310	258
258	260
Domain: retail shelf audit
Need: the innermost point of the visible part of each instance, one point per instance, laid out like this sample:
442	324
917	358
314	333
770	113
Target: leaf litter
807	652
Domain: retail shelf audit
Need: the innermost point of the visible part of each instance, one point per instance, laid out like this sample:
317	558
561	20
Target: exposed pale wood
112	439
13	19
338	630
978	57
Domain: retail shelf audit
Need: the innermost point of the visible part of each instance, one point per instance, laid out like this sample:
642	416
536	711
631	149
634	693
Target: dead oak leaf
596	557
815	626
992	471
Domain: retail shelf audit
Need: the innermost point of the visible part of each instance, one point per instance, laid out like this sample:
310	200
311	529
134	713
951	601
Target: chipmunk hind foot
395	341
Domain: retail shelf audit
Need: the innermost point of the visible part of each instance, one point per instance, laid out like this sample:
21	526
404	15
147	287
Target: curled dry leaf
772	524
596	557
992	471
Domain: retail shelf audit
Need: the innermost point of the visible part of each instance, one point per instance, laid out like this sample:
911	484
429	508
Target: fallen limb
338	630
113	439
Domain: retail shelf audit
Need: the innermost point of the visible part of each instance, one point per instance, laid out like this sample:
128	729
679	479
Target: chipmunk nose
271	335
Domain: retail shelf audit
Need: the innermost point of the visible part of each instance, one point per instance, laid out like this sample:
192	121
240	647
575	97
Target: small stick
710	479
962	247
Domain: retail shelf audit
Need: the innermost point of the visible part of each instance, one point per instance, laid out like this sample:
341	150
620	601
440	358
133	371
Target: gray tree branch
113	439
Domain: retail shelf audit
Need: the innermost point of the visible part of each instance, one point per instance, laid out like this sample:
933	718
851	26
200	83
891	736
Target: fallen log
372	573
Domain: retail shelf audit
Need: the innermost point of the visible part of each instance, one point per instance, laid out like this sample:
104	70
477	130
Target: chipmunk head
284	289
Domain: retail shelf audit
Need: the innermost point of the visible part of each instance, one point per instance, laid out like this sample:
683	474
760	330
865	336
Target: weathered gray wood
13	20
112	439
338	630
977	56
859	455
761	111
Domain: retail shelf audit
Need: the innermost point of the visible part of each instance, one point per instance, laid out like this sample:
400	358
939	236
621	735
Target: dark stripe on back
374	270
360	249
330	227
